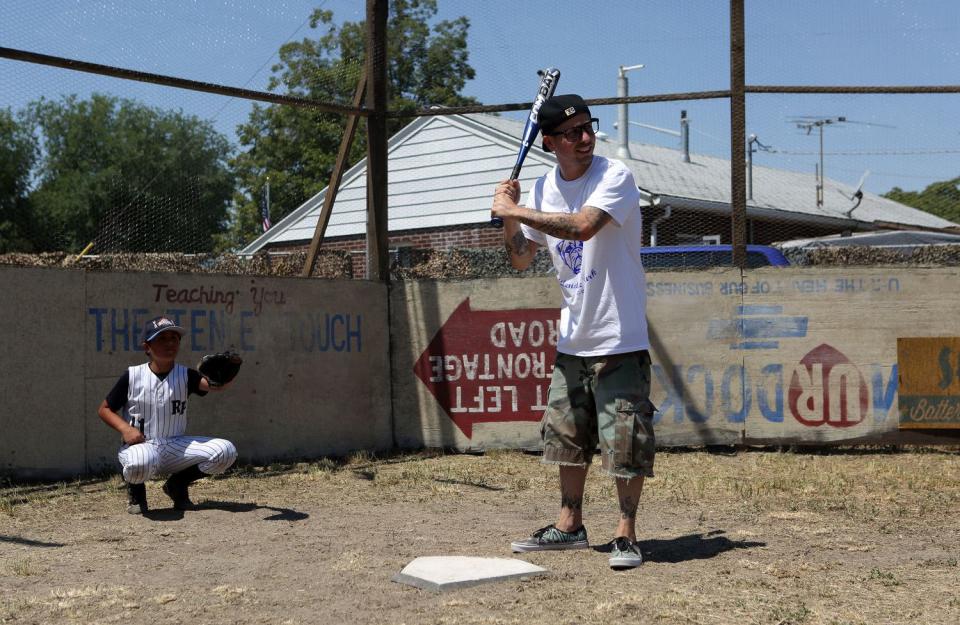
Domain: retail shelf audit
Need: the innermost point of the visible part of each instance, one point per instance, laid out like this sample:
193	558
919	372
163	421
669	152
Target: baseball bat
548	84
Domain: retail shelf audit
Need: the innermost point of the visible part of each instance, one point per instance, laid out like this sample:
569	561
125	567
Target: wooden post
378	267
738	194
338	168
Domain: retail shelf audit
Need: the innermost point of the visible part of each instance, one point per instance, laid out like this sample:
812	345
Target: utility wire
865	152
265	63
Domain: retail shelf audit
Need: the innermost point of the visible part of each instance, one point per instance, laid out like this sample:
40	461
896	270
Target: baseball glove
220	368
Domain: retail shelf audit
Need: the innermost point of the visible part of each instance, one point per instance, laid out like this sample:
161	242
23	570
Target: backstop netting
197	127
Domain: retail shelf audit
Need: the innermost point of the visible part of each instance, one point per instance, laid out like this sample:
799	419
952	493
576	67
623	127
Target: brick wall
444	238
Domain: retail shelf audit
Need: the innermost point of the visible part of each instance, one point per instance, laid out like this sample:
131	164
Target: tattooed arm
579	226
520	249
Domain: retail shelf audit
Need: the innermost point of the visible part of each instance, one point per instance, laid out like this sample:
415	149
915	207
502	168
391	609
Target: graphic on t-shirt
571	252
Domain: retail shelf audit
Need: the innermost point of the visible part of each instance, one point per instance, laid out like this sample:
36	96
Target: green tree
940	198
130	177
296	148
18	153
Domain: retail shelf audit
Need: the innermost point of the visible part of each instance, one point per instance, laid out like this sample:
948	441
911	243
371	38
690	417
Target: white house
443	169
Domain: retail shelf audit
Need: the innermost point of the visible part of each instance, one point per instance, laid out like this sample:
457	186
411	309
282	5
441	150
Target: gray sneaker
624	553
549	538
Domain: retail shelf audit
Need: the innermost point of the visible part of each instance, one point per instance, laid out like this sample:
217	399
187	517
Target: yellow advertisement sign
929	384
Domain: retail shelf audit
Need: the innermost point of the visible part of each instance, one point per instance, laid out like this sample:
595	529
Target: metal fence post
378	267
738	194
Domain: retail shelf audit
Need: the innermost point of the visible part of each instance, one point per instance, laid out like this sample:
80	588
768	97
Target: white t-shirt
602	280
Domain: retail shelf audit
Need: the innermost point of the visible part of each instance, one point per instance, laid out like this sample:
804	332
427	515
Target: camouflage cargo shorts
601	401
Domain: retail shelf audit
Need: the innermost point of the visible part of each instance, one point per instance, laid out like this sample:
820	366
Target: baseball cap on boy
559	109
155	326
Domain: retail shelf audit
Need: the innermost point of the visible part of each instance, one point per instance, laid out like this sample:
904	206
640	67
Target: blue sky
903	140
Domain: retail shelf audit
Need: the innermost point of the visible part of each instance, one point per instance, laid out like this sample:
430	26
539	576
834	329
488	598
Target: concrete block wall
774	356
311	349
42	373
777	356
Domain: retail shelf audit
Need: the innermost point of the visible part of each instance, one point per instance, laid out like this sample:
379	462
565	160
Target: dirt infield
864	536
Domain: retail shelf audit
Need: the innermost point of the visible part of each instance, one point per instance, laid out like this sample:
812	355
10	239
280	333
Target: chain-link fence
187	127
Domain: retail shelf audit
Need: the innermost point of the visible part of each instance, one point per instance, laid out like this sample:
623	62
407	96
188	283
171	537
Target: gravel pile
417	264
943	255
462	264
329	264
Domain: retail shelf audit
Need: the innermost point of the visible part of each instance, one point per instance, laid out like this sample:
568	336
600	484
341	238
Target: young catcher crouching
152	399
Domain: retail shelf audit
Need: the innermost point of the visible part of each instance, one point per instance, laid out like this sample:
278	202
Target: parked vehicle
693	256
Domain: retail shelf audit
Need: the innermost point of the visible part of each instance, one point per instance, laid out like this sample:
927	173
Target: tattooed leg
573	502
572	480
628	492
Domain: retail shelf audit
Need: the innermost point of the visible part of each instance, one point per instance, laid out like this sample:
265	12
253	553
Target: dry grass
840	537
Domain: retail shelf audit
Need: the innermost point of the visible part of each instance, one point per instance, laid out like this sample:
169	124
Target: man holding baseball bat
586	213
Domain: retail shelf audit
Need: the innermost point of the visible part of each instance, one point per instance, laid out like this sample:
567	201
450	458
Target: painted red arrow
491	365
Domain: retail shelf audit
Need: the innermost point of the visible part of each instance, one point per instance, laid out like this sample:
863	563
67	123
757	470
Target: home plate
449	572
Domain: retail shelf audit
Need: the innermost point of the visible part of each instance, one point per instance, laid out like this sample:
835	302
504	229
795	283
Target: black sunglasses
573	134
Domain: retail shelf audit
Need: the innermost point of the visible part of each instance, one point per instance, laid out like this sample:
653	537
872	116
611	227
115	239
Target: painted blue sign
213	330
757	327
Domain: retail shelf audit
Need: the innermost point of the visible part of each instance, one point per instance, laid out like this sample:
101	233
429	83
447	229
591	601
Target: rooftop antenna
623	150
809	125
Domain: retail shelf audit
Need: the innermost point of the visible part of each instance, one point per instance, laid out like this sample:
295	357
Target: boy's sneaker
179	494
177	487
624	553
549	538
137	498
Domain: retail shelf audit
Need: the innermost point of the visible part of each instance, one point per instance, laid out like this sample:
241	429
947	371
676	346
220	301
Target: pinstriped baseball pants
143	461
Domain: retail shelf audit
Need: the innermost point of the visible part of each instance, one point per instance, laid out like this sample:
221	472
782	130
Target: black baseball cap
559	109
155	326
